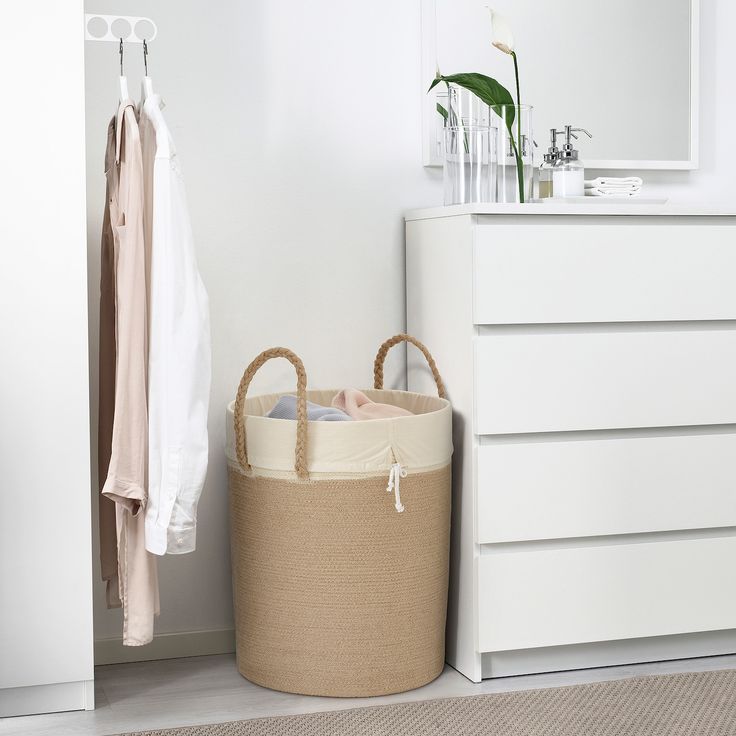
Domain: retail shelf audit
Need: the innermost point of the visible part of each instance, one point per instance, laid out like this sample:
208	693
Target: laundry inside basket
348	404
285	408
358	406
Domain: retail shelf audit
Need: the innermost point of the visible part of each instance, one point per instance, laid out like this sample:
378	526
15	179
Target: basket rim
416	441
442	404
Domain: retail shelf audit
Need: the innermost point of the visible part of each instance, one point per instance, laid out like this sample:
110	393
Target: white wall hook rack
131	28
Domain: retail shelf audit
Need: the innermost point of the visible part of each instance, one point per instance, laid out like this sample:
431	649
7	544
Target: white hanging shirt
179	357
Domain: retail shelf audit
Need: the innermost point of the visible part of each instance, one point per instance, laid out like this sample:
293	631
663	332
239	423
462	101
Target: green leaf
485	88
441	110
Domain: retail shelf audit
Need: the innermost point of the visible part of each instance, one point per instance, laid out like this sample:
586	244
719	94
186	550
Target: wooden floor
198	690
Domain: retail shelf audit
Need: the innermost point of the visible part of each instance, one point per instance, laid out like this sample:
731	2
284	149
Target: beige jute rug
692	704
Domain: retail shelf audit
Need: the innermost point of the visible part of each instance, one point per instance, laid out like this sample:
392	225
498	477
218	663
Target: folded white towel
614	181
614	190
613	186
611	193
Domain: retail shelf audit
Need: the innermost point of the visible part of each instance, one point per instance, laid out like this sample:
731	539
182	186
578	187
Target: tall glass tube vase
470	140
515	178
469	170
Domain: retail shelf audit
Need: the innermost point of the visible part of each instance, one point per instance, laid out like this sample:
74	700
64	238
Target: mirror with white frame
626	70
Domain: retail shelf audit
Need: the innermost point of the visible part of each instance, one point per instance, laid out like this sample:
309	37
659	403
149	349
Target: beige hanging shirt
123	420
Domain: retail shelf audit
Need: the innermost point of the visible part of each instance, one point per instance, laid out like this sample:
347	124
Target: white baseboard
166	646
53	698
608	653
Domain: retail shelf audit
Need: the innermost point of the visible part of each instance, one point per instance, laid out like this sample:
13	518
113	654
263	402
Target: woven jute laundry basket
340	587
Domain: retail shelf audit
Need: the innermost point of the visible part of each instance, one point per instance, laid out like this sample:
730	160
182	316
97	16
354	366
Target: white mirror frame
432	131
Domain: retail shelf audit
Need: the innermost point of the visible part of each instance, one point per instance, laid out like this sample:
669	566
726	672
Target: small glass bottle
568	175
546	189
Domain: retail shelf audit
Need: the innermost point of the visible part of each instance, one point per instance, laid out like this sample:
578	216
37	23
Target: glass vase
470	141
515	143
469	168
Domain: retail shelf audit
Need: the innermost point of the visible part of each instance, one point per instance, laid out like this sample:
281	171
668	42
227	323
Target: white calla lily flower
501	36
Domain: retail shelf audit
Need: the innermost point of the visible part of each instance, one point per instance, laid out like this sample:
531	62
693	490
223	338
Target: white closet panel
45	496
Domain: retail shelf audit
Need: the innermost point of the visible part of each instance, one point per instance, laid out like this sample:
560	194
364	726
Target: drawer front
546	382
566	596
604	270
581	488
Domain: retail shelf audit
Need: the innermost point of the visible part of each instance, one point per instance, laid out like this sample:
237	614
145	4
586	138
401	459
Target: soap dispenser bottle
568	174
546	168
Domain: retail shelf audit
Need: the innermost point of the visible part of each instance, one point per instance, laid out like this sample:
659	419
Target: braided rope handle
395	340
300	452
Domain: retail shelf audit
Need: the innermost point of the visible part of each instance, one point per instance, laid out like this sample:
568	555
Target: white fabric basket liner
363	447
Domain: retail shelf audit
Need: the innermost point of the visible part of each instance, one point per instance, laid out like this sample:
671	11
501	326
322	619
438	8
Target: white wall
299	129
45	550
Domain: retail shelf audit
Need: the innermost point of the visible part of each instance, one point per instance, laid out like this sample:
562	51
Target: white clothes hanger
146	82
123	79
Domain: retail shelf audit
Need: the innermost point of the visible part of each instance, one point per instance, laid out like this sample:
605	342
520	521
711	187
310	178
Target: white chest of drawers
590	355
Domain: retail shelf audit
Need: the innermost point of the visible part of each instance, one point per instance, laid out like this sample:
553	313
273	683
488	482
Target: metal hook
121	58
145	56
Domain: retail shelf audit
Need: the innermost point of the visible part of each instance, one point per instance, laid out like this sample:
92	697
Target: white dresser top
595	208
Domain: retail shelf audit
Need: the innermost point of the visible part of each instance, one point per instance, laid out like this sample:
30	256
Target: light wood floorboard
199	690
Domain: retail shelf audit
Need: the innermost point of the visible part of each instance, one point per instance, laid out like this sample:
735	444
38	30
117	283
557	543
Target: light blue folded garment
286	409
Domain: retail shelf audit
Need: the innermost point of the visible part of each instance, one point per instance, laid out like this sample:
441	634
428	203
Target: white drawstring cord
394	478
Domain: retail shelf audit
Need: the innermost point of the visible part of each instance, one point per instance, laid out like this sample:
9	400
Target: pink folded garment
356	404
